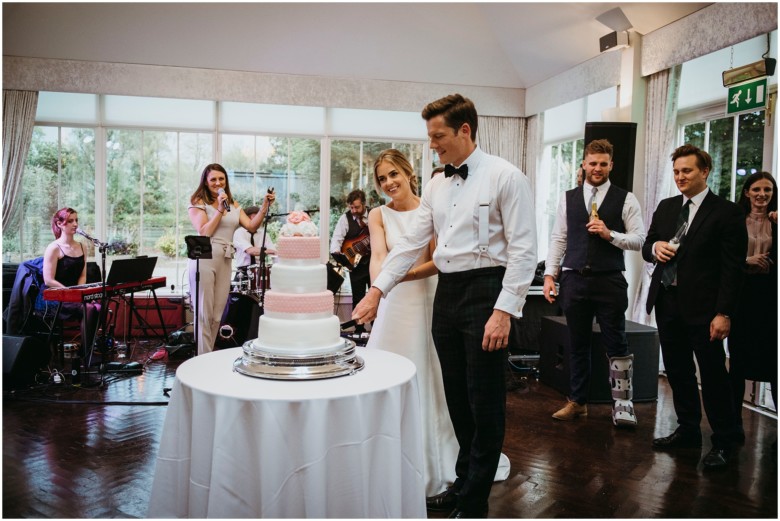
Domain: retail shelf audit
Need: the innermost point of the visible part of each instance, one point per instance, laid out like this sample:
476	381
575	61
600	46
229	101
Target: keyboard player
65	265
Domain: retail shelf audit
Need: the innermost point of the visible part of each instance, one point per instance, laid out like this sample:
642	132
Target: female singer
65	265
215	214
753	338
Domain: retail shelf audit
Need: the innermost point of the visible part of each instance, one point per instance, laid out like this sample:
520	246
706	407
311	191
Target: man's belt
587	271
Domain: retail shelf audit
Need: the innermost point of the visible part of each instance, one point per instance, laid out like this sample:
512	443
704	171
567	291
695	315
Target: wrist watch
611	236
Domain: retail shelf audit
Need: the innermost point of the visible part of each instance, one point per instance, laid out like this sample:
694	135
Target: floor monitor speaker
623	139
554	360
23	356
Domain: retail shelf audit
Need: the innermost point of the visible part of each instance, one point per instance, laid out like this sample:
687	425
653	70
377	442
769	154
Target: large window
736	144
352	168
60	172
149	178
291	166
129	165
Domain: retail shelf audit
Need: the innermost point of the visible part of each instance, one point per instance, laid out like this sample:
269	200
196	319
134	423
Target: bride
403	323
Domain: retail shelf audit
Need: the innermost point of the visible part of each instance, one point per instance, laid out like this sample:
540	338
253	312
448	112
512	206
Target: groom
482	216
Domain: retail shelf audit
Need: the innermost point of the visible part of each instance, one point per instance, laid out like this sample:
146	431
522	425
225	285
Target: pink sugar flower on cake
299	225
297	216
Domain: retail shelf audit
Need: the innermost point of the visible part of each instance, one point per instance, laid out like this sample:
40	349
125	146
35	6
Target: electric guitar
354	249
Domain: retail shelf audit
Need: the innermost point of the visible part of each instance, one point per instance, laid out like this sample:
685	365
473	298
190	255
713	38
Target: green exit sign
747	97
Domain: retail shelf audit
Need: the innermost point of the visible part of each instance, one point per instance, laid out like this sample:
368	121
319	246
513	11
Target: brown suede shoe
571	411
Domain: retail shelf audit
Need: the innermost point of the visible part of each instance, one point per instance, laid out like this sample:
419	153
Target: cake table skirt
241	447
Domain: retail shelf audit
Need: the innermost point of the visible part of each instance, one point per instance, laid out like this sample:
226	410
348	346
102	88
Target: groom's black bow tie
450	171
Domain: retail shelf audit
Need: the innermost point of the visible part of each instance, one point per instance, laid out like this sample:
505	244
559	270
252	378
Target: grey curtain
19	108
663	90
533	148
502	137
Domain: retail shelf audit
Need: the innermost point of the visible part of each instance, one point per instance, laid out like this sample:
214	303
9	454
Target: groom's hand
365	311
497	331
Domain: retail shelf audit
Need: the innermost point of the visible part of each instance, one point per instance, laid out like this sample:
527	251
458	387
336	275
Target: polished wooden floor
90	453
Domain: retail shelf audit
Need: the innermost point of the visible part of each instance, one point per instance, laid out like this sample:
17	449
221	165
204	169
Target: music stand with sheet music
198	247
136	269
124	271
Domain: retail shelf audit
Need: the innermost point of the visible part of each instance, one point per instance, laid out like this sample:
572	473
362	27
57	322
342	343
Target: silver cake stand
263	364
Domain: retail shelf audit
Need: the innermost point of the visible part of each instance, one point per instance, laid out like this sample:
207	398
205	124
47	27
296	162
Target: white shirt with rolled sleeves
449	209
241	241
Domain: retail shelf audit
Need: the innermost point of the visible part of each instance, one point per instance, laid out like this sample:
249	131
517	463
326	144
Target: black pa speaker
623	139
23	356
335	280
613	40
239	322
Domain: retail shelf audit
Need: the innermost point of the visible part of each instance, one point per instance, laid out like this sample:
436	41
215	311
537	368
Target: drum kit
249	280
244	306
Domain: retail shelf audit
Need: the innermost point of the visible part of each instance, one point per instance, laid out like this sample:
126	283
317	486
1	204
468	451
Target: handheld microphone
225	203
88	236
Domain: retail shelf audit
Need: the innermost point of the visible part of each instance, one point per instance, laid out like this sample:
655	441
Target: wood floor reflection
90	453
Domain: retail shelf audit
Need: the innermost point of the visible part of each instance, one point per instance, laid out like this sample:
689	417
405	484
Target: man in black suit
694	289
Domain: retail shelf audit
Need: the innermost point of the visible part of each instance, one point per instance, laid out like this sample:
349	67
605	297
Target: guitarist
350	236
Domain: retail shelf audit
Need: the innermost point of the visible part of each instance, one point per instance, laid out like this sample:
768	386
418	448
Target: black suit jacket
709	260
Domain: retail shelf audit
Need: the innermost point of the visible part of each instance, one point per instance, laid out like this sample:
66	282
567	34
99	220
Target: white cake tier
298	248
286	278
299	304
299	337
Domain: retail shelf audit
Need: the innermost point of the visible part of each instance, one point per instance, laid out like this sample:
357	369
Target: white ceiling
513	45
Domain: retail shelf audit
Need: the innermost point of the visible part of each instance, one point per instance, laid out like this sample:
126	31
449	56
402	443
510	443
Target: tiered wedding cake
298	334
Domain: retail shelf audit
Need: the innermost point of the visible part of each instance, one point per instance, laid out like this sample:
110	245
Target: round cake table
240	447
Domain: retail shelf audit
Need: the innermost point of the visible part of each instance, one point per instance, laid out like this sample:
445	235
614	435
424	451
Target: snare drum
254	273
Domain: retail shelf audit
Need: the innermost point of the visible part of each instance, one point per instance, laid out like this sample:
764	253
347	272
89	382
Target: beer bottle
594	214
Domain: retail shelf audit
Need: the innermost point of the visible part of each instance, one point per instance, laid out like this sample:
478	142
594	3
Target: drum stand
197	248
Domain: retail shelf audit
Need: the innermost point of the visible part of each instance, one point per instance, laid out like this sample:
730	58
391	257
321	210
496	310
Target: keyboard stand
141	320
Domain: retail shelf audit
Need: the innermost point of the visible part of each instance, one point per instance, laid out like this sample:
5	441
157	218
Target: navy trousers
604	296
473	379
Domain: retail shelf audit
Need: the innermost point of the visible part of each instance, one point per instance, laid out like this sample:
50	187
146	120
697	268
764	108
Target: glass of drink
674	242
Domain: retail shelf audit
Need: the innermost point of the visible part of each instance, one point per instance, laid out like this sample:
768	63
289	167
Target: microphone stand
263	281
102	318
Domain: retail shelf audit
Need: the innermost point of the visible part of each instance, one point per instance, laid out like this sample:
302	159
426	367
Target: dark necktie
462	171
670	270
252	258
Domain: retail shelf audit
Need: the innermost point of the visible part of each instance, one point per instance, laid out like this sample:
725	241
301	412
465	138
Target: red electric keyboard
90	292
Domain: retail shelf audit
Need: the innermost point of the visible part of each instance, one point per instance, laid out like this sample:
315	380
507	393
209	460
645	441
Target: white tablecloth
243	447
